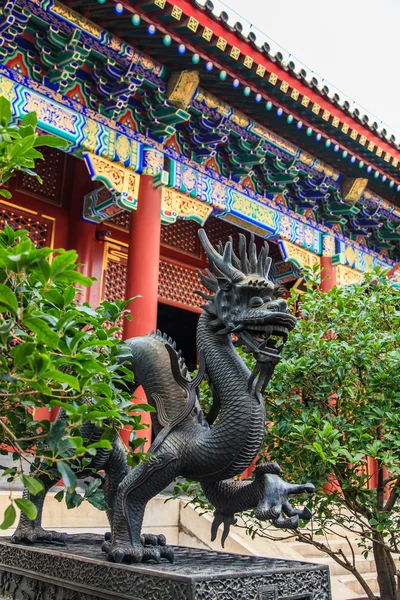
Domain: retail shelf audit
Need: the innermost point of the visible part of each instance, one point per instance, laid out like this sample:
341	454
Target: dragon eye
256	301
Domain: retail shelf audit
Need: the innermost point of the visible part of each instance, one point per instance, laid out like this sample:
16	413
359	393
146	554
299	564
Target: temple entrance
180	325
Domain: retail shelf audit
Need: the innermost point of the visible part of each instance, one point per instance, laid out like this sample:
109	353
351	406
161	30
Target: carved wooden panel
39	229
51	170
178	284
181	235
121	220
218	230
114	280
114	276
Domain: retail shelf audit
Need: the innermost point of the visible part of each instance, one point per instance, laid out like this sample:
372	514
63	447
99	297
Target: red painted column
142	274
328	274
143	260
328	281
82	234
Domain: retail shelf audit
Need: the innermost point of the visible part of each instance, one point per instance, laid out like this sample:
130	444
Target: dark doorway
180	325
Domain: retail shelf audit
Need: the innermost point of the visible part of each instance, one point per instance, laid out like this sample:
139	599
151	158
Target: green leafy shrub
333	404
56	353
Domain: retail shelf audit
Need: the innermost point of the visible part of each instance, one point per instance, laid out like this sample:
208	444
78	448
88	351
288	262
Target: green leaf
8	300
27	507
319	450
102	444
93	486
45	269
21	353
42	330
76	277
50	141
143	407
5	193
102	389
73	500
69	295
34	154
33	485
59	496
72	381
97	500
19	148
57	431
69	477
55	297
9	514
5	111
62	262
29	119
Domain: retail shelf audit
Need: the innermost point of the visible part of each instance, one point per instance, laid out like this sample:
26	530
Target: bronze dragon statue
244	305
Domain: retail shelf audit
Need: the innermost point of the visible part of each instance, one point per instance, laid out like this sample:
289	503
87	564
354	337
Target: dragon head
244	300
246	303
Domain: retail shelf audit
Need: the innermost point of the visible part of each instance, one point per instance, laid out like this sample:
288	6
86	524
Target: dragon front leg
139	486
267	494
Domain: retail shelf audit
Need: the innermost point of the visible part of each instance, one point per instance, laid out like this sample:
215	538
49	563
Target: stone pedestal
79	571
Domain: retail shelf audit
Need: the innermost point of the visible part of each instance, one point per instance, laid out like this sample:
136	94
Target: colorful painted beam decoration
129	115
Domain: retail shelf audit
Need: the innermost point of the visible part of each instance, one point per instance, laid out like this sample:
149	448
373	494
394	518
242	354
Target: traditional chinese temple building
175	120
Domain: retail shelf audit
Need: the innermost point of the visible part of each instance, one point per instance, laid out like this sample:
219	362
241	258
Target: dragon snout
277	306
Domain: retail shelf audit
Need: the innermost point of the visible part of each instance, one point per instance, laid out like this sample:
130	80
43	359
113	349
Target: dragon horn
244	261
253	254
261	262
208	280
219	264
235	259
267	266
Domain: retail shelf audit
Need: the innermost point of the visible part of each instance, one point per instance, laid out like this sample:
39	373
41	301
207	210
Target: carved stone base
79	571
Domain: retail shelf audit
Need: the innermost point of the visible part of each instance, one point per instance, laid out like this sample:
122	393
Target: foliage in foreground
19	145
333	411
55	353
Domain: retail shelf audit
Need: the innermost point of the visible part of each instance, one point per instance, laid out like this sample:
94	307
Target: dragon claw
274	503
282	523
152	539
151	553
118	555
38	534
119	552
168	553
306	514
227	521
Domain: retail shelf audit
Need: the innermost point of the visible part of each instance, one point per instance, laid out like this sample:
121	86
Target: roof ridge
353	110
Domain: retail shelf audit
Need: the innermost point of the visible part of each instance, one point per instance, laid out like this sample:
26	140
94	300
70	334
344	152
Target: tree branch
394	494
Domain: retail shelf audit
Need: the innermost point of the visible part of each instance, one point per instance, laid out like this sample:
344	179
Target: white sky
353	44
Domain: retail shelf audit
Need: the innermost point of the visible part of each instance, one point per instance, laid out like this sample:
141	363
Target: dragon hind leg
32	531
115	469
139	486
